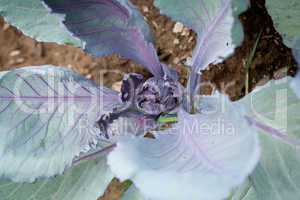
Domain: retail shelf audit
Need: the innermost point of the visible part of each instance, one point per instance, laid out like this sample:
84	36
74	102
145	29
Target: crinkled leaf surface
275	108
285	15
202	157
86	181
110	26
48	116
35	20
216	24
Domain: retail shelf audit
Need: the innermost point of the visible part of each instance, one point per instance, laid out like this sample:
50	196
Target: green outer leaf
87	181
132	194
277	176
244	192
286	15
36	21
251	195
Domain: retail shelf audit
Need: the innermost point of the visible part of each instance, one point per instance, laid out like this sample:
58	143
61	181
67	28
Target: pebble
89	76
280	73
176	60
14	53
6	26
178	27
190	39
176	41
185	32
145	9
16	61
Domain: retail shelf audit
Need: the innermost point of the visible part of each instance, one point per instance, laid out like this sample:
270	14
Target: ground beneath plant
174	44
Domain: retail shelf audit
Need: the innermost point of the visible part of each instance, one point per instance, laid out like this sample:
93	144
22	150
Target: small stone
117	86
89	76
14	53
145	9
280	73
6	26
176	60
185	32
178	27
176	41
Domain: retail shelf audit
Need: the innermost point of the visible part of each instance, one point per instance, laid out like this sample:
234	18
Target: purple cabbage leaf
48	116
110	26
52	119
55	122
203	156
100	27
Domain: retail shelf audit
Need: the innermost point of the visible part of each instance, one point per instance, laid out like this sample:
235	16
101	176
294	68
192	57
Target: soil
272	59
